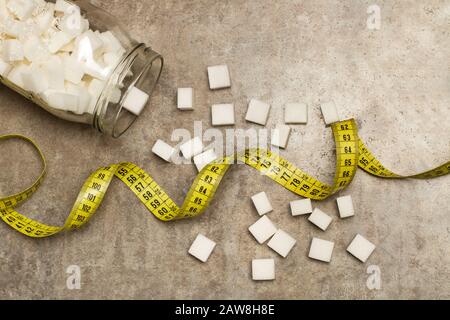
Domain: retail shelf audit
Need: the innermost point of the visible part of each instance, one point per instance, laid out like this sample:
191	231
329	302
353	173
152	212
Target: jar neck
141	67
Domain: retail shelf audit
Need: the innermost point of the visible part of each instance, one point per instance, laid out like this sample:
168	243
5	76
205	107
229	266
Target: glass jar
77	62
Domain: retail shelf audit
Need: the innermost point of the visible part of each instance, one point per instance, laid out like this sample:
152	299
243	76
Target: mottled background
394	81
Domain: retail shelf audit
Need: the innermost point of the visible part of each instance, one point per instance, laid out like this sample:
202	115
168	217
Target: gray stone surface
394	81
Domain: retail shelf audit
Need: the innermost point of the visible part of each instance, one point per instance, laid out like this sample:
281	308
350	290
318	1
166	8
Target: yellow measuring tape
351	153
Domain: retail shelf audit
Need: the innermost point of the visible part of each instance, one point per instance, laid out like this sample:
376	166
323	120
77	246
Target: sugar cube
96	87
58	40
35	80
88	43
111	43
185	99
63	6
219	77
280	136
135	100
192	148
22	9
73	70
55	73
361	248
62	100
258	112
329	112
263	229
320	219
84	99
301	207
5	68
163	150
112	58
15	75
203	159
282	243
296	113
222	114
12	50
202	248
34	49
263	269
321	250
345	205
262	203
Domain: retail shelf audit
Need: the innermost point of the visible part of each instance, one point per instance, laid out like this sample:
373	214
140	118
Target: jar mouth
141	68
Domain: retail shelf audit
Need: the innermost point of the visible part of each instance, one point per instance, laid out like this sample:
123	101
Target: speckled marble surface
394	81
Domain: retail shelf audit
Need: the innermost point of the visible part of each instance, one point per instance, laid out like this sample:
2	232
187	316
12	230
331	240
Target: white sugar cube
45	19
58	40
192	148
222	114
262	203
64	6
12	50
73	70
296	113
321	250
282	243
345	205
62	100
263	269
35	50
262	229
112	58
110	42
15	75
55	73
280	136
96	87
163	150
84	99
202	248
205	158
135	100
301	207
88	43
35	80
185	99
258	112
22	9
219	77
320	219
361	248
329	112
5	68
115	95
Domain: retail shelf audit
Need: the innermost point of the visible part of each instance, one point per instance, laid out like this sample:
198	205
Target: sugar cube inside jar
77	62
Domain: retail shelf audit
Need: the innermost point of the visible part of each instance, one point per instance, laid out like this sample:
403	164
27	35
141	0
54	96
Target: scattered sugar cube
263	229
202	248
5	68
321	250
163	150
282	243
205	158
12	50
320	219
329	112
185	98
361	248
280	136
345	205
296	113
135	100
262	203
263	269
222	114
258	112
301	207
192	148
219	77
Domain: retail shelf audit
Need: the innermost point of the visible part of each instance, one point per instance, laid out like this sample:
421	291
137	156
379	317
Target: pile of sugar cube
49	49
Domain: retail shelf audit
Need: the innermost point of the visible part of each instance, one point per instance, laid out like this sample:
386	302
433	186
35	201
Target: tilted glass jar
77	62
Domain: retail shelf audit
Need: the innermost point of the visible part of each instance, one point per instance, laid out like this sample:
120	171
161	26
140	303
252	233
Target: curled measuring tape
351	153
